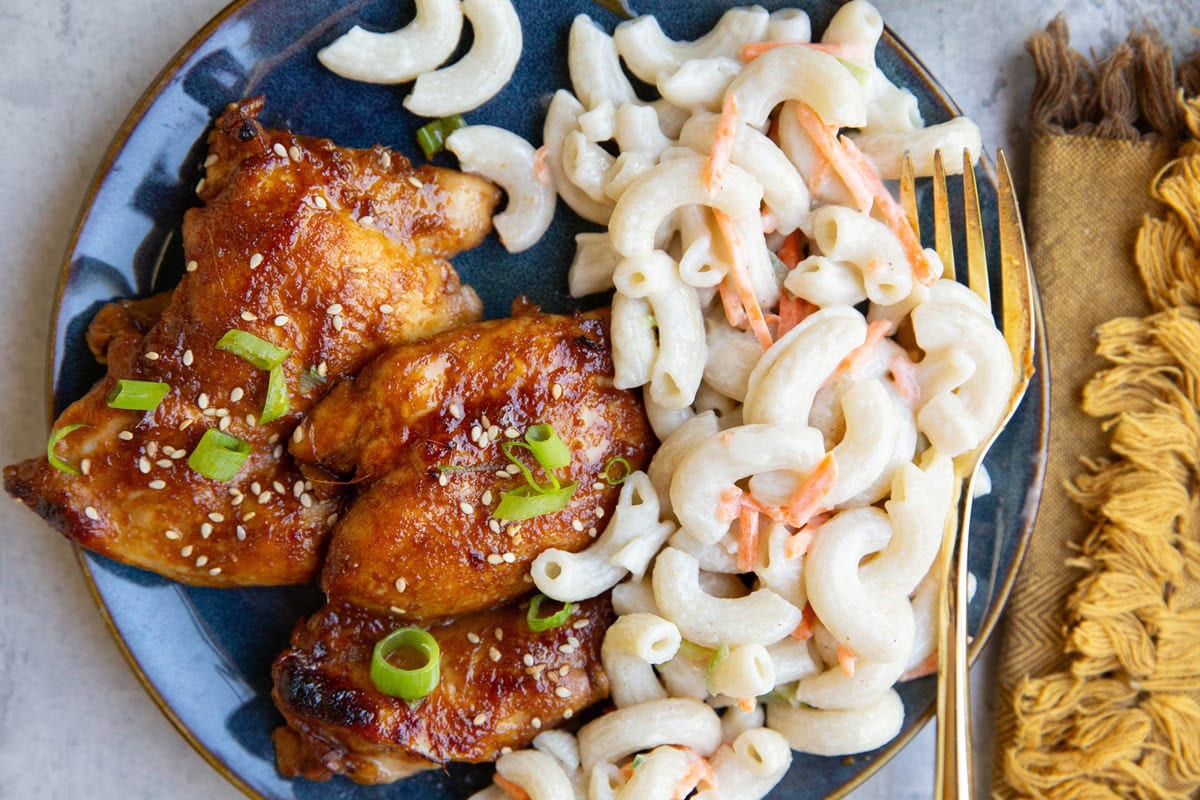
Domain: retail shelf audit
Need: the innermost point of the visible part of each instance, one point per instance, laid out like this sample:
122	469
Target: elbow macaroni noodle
773	561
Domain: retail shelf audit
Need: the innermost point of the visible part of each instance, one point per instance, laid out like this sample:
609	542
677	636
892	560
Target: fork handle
954	771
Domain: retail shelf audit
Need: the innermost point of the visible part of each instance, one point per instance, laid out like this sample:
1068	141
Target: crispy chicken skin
122	325
487	697
425	543
281	249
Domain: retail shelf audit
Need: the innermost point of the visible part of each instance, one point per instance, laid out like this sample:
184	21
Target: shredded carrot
893	212
511	789
699	771
904	375
853	363
824	138
793	311
804	631
739	276
806	500
722	146
798	543
729	505
856	53
747	704
747	539
846	660
789	252
539	164
873	266
732	306
927	666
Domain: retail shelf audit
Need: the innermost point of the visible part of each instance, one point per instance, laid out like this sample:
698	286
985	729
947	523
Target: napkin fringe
1123	721
1131	95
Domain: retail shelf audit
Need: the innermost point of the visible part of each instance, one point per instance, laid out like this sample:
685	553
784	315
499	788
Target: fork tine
977	273
1015	277
943	238
908	194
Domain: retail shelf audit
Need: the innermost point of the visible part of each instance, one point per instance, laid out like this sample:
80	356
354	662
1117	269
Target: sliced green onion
861	74
721	654
258	352
218	455
432	137
695	652
311	379
277	403
137	395
525	503
619	461
547	448
507	449
56	437
638	760
408	684
780	269
539	624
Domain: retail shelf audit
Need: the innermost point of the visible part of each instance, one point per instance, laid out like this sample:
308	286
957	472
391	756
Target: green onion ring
130	395
539	624
56	437
620	461
258	352
526	503
547	448
276	403
218	455
407	684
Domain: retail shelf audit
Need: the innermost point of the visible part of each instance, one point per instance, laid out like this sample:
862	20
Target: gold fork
954	772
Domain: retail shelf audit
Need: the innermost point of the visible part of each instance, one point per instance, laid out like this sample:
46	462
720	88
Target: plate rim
1001	591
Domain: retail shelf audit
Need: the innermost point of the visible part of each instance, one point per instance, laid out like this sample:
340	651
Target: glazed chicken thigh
329	253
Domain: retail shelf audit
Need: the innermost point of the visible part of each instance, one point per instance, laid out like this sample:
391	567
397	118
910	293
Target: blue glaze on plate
205	654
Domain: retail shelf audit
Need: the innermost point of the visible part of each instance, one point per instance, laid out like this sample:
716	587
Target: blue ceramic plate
204	655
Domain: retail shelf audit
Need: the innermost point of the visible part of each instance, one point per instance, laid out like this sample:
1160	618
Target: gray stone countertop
74	721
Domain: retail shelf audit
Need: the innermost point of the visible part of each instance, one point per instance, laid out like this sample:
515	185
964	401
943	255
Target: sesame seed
280	150
359	270
562	691
499	634
192	266
570	712
485	422
298	488
251	515
599	512
598	486
577	525
157	484
200	185
466	507
337	323
322	369
487	497
306	500
249	316
556	391
188	358
173	535
563	670
456	411
494	558
209	412
186	550
476	432
298	434
493	654
215	571
212	159
571	640
480	718
237	394
152	356
580	623
396	609
512	469
527	660
282	319
511	433
187	423
255	260
151	449
401	584
164	463
334	309
536	722
91	513
386	309
366	219
143	465
223	424
216	516
294	152
319	202
505	750
273	439
473	638
279	487
201	561
202	400
237	501
494	526
241	533
256	488
125	436
415	182
502	474
206	530
509	558
443	480
494	432
264	498
385	159
277	451
592	531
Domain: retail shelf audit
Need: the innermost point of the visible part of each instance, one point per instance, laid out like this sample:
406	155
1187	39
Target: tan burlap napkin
1100	671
